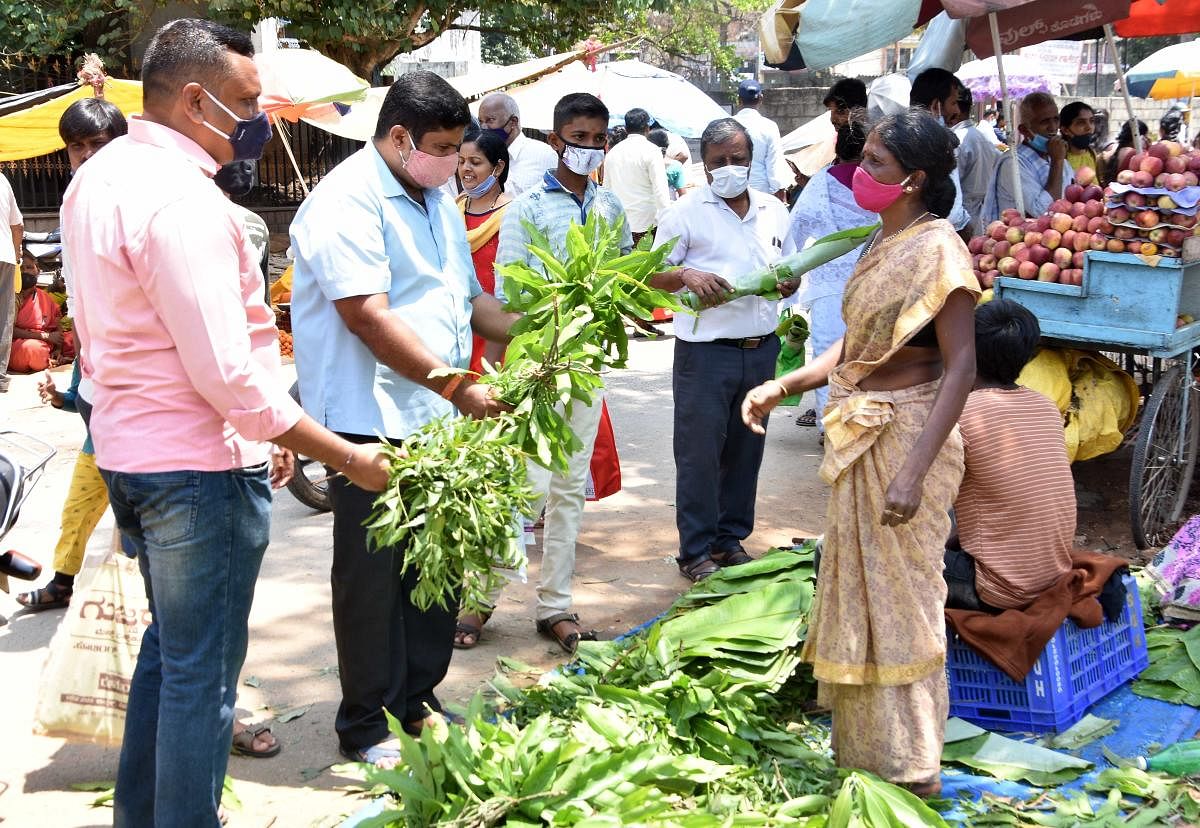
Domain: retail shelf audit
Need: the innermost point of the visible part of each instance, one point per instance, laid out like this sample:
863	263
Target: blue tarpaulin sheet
1143	726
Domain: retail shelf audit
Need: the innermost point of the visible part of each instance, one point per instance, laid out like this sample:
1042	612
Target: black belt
746	342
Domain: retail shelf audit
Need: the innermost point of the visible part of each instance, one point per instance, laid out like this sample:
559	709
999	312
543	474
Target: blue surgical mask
1040	143
500	132
482	187
250	135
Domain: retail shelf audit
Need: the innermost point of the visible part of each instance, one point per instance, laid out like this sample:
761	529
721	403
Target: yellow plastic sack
282	285
1106	403
1047	374
84	688
34	131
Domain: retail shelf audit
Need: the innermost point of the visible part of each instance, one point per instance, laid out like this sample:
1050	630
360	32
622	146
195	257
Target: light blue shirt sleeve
1033	186
959	216
346	256
514	241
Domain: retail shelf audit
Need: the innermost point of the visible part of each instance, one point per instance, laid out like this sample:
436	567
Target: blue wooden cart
1129	305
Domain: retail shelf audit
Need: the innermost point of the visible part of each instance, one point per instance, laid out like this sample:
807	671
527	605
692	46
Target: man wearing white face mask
567	196
723	231
385	294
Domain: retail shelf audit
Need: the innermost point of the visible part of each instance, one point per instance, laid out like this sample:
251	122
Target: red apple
986	280
1000	248
1093	192
1008	266
1174	147
1125	177
1027	270
1077	208
987	262
1160	180
1068	238
1105	226
1085	175
1016	221
1009	214
989	245
1048	272
1083	241
1080	222
1073	193
1099	242
1158	235
1151	164
1115	246
1118	214
975	245
1093	208
1140	179
1021	255
1062	257
1123	232
1078	258
1039	255
1014	235
1147	218
1190	179
997	230
1052	239
1134	246
1095	223
1032	237
1175	164
1042	223
1061	222
1175	236
1169	252
1184	220
1194	163
1134	161
1159	151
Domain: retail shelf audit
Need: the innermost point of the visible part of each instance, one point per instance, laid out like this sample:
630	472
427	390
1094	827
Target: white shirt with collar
528	161
634	170
768	170
713	238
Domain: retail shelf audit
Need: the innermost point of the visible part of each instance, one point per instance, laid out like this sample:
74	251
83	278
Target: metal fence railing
39	183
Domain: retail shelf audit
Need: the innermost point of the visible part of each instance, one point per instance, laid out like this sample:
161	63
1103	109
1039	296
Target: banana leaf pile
1174	671
654	729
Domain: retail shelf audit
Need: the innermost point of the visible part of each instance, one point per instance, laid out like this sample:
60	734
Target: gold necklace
871	246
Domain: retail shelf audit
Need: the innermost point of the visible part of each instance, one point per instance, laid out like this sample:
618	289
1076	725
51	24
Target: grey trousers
8	312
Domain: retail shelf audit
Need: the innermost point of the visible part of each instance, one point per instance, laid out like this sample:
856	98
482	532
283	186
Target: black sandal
732	557
51	596
570	641
808	419
462	629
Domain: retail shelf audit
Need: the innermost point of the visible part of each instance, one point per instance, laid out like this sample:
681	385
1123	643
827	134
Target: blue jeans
199	538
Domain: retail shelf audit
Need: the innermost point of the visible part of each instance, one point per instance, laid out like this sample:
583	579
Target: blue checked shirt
552	209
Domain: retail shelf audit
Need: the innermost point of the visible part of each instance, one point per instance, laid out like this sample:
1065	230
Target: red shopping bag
604	474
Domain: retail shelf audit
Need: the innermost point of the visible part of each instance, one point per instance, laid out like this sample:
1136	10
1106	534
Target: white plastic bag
84	688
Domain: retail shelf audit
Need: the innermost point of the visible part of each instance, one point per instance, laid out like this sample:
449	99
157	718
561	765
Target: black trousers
391	655
716	457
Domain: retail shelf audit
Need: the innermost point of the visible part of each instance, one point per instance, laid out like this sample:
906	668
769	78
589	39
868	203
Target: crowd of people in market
396	255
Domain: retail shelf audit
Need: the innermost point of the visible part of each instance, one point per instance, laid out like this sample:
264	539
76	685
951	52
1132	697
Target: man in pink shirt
188	400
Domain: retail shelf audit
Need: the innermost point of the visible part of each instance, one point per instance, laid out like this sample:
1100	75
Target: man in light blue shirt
1041	155
385	293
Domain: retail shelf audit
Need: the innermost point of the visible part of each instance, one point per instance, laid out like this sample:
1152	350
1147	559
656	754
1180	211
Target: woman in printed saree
894	459
483	170
39	342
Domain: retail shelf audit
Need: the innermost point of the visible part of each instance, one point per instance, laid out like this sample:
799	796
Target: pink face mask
874	195
429	171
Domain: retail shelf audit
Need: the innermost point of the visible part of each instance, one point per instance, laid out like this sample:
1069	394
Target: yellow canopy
34	131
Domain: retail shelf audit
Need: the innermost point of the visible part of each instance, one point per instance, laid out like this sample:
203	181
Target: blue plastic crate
1076	670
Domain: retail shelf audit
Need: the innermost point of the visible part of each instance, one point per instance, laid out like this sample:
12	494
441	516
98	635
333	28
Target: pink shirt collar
159	135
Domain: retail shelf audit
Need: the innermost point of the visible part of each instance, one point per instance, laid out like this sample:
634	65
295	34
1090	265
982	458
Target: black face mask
28	282
236	177
1081	141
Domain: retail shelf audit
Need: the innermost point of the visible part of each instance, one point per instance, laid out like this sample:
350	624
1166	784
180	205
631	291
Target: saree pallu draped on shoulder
877	639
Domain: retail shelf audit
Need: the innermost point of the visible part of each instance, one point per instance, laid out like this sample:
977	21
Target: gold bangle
782	387
452	386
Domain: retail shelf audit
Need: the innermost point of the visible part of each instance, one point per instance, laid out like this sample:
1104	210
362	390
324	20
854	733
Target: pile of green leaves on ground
1173	674
458	487
655	729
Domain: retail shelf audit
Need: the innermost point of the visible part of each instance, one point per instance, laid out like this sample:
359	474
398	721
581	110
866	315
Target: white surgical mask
581	160
729	181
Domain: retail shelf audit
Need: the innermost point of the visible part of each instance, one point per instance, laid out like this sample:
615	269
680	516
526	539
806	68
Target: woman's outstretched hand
760	402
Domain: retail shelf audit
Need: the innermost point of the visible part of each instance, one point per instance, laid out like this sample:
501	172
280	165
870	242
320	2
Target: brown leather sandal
698	569
570	641
464	628
731	557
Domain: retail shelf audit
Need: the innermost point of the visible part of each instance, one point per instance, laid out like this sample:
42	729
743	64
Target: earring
908	189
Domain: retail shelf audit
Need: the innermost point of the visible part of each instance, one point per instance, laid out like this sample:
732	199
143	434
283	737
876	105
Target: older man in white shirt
768	170
528	160
724	231
634	171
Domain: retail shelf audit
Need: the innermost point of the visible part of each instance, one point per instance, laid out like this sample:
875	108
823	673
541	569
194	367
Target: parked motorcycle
22	460
308	484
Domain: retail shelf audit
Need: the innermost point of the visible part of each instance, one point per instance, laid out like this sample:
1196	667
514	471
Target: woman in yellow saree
893	457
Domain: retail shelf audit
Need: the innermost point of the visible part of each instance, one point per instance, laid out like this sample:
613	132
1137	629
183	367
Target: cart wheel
1164	458
307	484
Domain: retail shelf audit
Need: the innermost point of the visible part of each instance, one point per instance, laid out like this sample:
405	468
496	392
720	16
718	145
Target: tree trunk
365	60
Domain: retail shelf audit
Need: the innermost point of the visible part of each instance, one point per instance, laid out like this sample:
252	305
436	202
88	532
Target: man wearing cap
768	173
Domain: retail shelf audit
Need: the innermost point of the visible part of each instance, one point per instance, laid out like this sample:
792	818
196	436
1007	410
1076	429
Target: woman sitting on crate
897	384
1016	506
39	341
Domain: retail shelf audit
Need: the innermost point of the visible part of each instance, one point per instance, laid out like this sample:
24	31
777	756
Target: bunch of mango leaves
458	487
692	721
